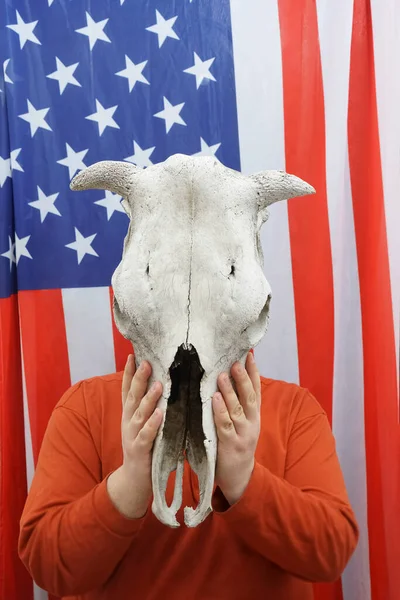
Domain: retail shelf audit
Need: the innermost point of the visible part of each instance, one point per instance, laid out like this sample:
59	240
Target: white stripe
335	28
30	465
259	97
386	31
89	332
39	594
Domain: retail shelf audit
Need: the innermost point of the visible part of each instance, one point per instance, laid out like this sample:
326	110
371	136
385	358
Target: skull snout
183	438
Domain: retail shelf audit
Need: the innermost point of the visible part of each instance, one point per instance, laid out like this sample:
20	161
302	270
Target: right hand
129	487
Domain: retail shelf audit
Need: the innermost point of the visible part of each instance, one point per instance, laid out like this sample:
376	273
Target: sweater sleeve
303	522
71	535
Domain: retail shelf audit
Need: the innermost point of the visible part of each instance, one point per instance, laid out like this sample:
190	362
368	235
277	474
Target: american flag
308	87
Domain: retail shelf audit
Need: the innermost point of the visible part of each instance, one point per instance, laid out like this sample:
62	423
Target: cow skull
190	294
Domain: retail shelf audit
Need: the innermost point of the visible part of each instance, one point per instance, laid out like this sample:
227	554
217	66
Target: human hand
129	486
237	420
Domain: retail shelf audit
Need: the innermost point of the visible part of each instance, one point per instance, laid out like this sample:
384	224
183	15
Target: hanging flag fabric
304	87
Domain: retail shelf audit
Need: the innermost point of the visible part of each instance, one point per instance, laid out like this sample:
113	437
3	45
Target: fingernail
142	366
251	357
154	386
239	368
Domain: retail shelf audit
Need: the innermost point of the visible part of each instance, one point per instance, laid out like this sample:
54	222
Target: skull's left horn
115	176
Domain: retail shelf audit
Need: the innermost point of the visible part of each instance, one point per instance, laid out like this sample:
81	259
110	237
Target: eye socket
147	269
232	270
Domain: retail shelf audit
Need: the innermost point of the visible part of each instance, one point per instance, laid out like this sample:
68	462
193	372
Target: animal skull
190	294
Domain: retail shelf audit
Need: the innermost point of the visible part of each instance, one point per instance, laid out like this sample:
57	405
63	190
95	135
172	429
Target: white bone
191	276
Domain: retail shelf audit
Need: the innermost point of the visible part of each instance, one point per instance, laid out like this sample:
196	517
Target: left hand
237	420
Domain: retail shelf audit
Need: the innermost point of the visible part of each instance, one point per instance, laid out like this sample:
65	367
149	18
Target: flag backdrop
310	86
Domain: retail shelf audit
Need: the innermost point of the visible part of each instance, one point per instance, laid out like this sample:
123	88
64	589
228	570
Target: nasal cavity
264	311
266	305
183	419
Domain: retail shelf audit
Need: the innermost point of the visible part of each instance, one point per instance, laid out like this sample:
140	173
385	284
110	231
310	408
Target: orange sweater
292	526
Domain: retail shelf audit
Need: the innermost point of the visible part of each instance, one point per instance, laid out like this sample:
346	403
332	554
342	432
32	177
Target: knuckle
131	397
237	410
227	425
252	398
222	409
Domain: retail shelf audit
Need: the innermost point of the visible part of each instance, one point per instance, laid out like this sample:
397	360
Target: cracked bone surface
190	294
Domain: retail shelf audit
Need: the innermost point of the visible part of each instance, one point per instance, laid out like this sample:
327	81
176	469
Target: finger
145	408
254	374
148	432
137	390
231	400
223	423
129	372
246	392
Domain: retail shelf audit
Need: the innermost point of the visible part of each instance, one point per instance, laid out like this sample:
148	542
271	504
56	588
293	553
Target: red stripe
15	582
122	347
308	217
380	395
45	353
304	120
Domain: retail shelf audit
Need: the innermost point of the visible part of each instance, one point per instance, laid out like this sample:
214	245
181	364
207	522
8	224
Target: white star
73	160
24	31
10	254
112	202
201	69
15	166
104	117
163	28
51	2
207	150
8	164
45	204
6	77
170	114
64	75
140	157
94	31
82	245
133	72
35	118
5	170
20	247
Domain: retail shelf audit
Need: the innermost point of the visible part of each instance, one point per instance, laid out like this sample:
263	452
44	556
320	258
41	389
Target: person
281	517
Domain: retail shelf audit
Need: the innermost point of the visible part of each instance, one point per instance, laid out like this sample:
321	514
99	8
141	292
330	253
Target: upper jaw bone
186	433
